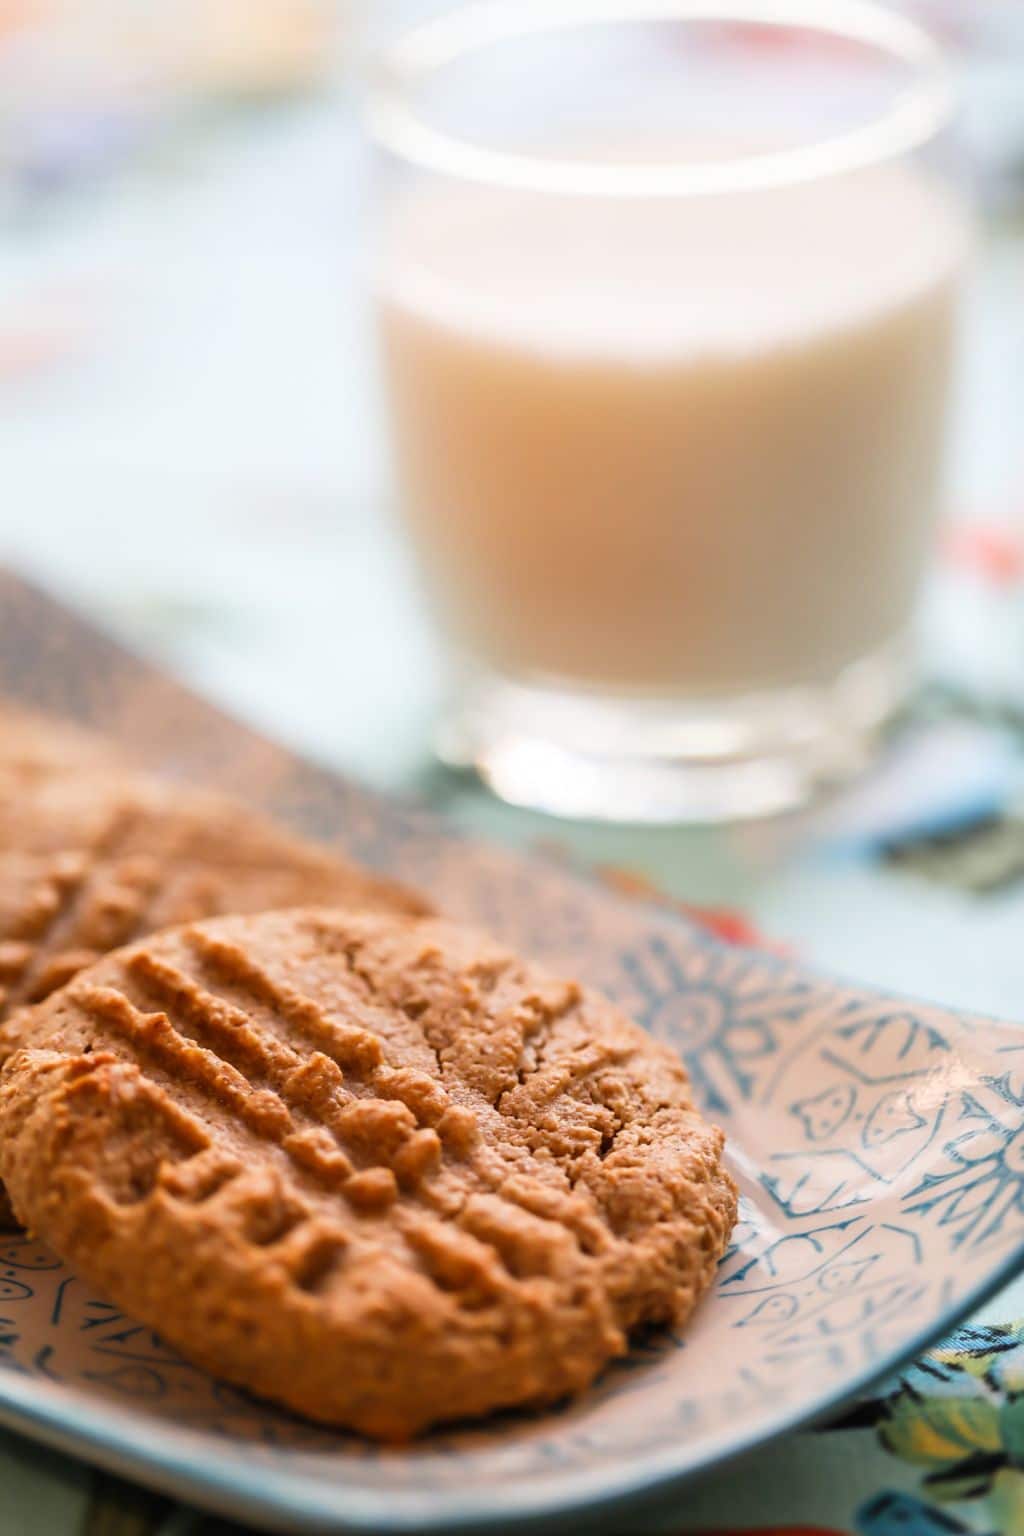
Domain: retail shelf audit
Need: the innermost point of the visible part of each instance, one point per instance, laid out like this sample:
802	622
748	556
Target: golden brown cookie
93	855
144	856
377	1169
62	912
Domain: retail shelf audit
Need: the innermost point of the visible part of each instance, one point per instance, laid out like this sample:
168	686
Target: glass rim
922	109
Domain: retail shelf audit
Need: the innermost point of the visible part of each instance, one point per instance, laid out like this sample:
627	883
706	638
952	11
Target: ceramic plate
878	1143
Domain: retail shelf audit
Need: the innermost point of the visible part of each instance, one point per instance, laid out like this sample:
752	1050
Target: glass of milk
667	295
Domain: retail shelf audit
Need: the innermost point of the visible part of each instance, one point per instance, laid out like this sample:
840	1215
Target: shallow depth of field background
193	452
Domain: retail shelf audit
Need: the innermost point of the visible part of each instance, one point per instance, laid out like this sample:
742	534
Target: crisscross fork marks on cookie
351	1131
351	1046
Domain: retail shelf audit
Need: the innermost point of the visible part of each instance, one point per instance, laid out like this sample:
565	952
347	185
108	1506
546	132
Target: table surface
201	467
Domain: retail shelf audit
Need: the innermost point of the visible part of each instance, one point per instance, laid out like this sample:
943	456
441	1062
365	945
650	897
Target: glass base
598	757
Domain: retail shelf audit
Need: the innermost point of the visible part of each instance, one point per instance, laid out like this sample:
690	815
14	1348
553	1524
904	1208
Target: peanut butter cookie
92	857
374	1168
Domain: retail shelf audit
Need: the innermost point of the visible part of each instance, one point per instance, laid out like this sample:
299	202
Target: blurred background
192	447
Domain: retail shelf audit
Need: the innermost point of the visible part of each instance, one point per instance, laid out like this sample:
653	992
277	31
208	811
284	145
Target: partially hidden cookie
374	1168
94	854
94	858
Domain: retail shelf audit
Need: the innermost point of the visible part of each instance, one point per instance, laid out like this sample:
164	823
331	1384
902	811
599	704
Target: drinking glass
667	296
